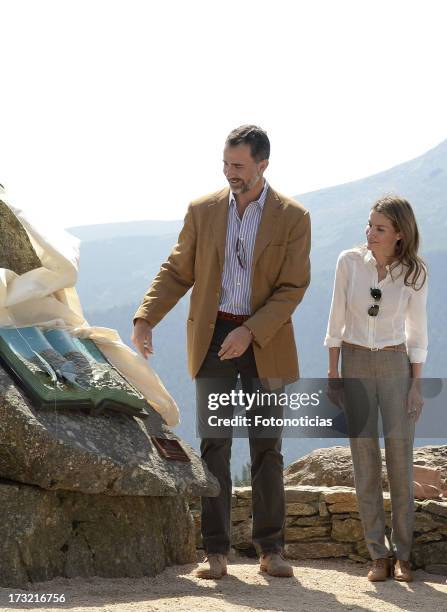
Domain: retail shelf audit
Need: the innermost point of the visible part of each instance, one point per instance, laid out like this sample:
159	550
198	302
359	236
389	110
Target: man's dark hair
254	136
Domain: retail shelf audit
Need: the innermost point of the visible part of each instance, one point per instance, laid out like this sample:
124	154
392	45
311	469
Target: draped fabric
46	297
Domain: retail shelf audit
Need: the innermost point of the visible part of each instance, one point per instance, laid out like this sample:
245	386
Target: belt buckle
374	348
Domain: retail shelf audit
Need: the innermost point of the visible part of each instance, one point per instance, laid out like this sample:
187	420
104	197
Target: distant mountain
339	214
106	231
118	262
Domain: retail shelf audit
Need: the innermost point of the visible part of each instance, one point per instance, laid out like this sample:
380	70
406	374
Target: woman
378	320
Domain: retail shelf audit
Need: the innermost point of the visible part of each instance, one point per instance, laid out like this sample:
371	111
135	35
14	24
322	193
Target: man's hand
236	343
142	337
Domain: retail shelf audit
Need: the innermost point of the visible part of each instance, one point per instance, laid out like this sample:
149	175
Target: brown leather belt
228	316
400	348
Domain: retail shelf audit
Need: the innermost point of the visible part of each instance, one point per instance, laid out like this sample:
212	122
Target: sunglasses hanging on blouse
376	294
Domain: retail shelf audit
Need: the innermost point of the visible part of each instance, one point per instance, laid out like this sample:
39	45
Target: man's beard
244	187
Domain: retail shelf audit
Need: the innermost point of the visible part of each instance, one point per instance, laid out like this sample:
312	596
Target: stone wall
324	522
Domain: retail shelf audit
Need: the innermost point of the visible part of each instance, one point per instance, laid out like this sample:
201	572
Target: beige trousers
373	381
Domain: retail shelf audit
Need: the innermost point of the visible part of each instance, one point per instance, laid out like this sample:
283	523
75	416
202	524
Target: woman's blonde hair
401	215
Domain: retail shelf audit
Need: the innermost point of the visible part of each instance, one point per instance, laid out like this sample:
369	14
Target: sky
118	110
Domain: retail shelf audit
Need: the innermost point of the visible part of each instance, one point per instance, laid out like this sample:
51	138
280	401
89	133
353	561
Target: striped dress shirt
235	292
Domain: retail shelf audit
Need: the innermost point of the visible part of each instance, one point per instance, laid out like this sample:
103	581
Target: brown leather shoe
275	565
380	570
213	568
402	571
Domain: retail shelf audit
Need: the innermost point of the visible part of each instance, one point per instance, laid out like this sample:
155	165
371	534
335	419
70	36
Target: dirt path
317	586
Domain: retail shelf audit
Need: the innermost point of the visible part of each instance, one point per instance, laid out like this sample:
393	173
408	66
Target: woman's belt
400	348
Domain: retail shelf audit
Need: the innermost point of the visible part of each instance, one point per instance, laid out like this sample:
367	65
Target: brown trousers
268	499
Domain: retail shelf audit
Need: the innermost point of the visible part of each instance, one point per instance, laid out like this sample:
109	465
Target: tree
245	479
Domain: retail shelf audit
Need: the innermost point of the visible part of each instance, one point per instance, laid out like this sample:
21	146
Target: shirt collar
260	201
369	258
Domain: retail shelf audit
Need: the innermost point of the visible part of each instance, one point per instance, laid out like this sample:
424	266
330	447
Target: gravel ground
318	585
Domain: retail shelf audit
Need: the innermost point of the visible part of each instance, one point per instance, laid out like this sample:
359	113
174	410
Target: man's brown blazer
280	276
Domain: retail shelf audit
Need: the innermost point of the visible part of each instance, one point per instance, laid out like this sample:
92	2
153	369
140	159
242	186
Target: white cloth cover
46	298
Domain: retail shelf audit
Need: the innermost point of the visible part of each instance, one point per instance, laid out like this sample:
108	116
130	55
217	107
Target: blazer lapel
267	225
219	221
266	229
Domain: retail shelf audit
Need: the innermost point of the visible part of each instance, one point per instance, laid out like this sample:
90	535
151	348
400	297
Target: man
245	252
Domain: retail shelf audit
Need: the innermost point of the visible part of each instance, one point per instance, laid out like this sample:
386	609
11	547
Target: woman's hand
335	388
415	401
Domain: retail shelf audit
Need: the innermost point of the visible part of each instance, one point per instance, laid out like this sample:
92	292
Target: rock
346	500
302	494
87	495
241	534
240	513
293	534
195	504
349	530
45	534
198	529
322	509
431	553
362	549
440	568
242	493
428	482
323	466
297	509
333	466
341	516
337	495
435	507
434	456
306	521
68	449
343	507
16	251
424	522
340	499
431	536
317	550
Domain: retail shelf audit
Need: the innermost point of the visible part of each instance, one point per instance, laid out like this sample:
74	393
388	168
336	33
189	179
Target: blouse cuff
417	355
332	342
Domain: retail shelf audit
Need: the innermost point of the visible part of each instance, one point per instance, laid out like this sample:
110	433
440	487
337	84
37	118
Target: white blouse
402	315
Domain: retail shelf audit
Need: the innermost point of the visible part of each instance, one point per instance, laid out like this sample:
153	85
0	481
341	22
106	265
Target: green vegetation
245	479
